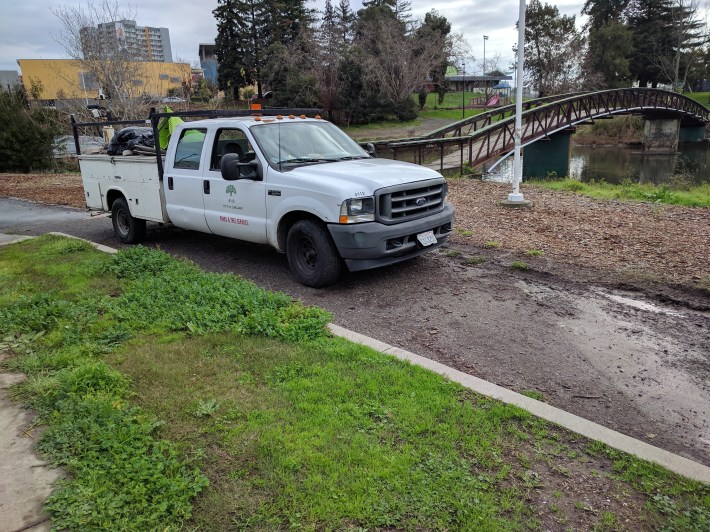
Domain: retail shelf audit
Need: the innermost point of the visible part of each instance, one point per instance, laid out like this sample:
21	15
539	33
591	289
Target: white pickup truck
298	184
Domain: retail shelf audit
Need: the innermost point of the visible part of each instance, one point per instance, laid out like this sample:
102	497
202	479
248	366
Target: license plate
427	238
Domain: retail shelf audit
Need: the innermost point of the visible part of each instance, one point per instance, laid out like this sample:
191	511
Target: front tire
312	255
128	229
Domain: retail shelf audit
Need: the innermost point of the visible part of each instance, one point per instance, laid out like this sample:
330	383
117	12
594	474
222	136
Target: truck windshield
288	144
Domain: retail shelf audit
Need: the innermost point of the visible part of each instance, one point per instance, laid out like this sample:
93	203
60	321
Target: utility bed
136	177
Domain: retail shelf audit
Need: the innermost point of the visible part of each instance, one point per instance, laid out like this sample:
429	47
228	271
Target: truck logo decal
231	189
274	192
420	202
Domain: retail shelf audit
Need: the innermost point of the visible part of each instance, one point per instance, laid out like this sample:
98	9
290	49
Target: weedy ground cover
685	195
175	398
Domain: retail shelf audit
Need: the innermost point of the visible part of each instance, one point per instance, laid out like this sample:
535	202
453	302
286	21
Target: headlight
356	210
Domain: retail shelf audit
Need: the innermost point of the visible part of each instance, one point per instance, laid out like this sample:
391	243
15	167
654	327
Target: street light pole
485	83
516	198
463	91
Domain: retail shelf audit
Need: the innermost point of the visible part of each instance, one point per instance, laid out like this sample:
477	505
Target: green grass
450	108
144	368
519	265
359	128
691	196
473	261
700	97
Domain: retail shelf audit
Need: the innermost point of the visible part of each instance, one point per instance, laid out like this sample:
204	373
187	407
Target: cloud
26	30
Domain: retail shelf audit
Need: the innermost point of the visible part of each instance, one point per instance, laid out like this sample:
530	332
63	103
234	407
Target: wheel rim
122	222
307	253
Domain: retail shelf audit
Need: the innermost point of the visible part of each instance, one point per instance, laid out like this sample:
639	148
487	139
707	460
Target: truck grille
406	202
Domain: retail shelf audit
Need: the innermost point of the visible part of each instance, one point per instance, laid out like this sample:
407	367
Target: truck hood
366	174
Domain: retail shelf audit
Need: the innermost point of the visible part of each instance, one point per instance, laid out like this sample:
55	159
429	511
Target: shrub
405	111
26	136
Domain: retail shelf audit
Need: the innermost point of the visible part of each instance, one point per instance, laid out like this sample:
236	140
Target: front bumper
372	244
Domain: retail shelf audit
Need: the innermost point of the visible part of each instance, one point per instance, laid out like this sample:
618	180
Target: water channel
616	164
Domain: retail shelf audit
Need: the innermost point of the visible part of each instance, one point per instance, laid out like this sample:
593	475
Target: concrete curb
6	240
584	427
100	247
672	462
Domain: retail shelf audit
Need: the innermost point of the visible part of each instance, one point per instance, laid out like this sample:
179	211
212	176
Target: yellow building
66	79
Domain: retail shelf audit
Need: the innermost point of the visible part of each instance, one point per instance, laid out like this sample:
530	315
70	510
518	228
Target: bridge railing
497	138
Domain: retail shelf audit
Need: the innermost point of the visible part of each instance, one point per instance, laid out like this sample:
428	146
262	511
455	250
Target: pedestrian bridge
668	117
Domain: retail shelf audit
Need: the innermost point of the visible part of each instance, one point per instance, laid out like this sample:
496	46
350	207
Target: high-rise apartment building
141	42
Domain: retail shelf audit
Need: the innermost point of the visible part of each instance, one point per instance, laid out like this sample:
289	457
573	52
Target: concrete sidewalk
25	481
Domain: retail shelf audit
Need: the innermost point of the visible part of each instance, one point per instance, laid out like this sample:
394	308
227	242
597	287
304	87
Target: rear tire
128	229
312	255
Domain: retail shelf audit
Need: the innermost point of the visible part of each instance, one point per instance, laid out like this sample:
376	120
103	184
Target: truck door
235	209
183	183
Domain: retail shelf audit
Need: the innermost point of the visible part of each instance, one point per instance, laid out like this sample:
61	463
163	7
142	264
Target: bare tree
401	62
107	64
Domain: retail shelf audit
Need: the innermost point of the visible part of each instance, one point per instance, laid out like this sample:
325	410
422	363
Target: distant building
141	42
473	83
208	62
65	79
9	78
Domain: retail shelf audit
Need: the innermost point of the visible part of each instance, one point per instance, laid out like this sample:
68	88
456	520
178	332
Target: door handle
206	186
170	183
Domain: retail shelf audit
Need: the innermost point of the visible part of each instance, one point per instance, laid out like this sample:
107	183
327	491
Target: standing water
617	164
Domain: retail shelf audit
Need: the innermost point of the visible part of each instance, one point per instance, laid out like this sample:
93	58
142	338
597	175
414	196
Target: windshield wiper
297	160
351	157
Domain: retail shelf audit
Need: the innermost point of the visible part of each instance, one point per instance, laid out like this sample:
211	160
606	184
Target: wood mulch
56	189
660	242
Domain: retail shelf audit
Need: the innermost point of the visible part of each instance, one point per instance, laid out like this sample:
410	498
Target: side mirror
233	169
370	148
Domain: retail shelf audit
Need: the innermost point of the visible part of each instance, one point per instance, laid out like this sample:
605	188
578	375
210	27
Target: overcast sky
27	27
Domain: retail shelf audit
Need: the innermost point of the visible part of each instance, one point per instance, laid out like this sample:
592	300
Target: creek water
616	164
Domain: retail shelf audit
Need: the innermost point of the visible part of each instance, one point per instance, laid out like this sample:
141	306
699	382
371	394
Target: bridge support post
548	157
660	135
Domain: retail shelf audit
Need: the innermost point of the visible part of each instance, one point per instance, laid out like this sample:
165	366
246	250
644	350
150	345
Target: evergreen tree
647	21
27	135
438	24
246	29
345	20
610	49
667	36
242	37
603	12
329	52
